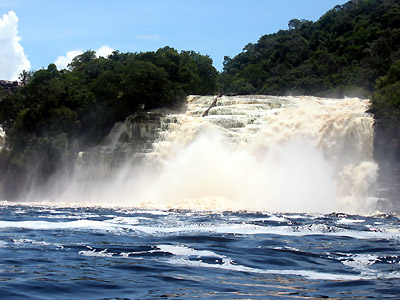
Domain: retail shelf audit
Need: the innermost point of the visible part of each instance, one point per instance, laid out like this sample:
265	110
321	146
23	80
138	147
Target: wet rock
128	142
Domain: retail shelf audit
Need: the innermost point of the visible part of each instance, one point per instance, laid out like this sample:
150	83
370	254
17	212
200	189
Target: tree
348	48
56	113
296	23
386	100
81	60
25	76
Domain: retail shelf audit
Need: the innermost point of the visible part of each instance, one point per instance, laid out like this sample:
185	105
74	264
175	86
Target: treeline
385	105
341	54
60	112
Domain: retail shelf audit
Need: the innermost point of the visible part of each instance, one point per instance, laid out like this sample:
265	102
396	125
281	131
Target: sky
35	33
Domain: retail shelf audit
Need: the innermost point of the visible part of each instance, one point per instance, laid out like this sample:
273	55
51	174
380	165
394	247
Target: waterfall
293	154
128	141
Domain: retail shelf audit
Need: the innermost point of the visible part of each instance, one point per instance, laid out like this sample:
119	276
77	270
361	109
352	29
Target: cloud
104	51
12	57
148	37
62	62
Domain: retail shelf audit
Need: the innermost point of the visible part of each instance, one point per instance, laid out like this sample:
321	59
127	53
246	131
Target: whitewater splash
258	153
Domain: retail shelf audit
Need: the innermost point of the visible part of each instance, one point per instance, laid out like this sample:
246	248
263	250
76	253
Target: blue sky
49	28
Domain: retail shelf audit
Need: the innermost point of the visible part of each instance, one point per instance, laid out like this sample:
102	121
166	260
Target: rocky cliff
10	86
128	142
387	155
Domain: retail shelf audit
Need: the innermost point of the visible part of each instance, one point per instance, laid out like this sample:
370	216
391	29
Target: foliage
60	112
343	53
386	101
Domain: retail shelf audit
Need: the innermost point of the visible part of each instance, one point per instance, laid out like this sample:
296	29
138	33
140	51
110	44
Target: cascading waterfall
293	154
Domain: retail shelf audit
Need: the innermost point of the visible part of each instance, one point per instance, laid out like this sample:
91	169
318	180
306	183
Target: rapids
55	252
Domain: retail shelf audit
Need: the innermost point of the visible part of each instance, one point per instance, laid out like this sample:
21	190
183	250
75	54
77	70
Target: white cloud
12	57
104	51
62	62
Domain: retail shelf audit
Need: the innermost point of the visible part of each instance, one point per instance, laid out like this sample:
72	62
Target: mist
293	154
208	174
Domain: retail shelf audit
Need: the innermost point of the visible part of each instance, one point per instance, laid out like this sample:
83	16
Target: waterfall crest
293	154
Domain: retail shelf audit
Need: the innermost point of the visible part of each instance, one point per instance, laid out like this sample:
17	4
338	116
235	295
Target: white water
293	154
378	232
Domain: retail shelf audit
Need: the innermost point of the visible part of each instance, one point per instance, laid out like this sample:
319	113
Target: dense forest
341	54
352	50
60	112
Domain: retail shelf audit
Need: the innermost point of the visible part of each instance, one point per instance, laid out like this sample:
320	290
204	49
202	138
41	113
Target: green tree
59	113
386	100
344	52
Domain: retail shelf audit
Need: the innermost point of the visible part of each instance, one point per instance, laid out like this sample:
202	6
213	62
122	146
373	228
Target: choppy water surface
99	253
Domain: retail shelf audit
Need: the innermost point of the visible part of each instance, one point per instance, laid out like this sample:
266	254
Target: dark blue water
97	253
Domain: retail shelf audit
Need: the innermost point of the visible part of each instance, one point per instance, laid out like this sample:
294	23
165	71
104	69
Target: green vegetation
385	106
60	112
342	54
386	100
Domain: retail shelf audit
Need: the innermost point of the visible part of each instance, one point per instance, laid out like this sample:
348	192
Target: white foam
150	212
288	248
186	251
272	218
304	216
364	262
118	224
124	220
38	243
94	252
182	253
49	210
360	261
250	229
349	221
60	217
78	224
70	216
